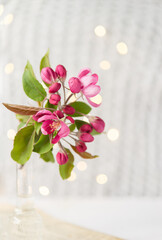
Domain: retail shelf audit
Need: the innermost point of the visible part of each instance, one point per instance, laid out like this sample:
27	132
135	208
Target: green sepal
45	61
72	127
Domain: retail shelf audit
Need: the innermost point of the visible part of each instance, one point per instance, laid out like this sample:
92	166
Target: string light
101	179
82	166
105	65
97	99
8	19
44	190
9	68
113	134
72	177
1	9
122	48
100	31
11	134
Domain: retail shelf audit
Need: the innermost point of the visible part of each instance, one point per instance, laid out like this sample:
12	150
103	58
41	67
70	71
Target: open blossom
51	122
61	72
61	157
89	88
74	85
97	123
80	146
48	75
54	99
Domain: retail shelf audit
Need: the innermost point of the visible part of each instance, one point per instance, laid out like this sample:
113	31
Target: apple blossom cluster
59	122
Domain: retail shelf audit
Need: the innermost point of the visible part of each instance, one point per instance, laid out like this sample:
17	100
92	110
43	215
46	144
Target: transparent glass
26	223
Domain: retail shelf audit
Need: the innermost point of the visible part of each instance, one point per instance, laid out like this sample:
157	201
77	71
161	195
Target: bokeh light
72	177
101	179
97	99
82	166
8	19
11	134
105	65
113	134
9	68
100	31
122	48
44	190
1	9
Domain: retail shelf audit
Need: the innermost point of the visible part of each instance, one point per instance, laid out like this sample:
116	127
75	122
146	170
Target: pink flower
86	137
54	87
63	132
61	71
80	146
54	99
89	88
70	119
48	75
74	85
49	126
86	128
68	110
61	157
43	115
97	123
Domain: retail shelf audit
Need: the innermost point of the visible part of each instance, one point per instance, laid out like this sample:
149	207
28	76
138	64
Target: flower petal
64	130
56	139
95	78
46	117
84	72
87	80
92	103
40	114
70	119
48	127
91	90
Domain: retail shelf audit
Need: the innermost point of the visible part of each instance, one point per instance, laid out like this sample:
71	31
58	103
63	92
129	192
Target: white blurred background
122	42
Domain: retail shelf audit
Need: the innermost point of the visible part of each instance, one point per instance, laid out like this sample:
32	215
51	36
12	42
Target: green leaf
79	123
65	169
37	126
23	144
83	154
43	145
24	118
49	105
45	61
72	127
32	87
21	125
80	107
48	157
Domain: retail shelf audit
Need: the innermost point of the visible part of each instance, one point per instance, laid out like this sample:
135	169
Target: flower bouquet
56	120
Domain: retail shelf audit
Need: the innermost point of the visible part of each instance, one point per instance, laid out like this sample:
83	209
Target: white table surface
127	218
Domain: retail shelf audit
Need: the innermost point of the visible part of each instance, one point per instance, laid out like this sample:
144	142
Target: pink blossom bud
61	71
86	128
61	158
97	123
80	146
55	87
86	137
48	75
58	114
68	110
74	85
54	99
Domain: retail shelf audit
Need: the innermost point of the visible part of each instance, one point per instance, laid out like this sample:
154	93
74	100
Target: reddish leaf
83	154
23	110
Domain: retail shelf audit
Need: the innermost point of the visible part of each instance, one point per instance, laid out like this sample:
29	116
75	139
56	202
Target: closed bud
86	137
80	146
97	123
61	158
48	75
69	110
54	99
61	71
74	85
86	128
54	87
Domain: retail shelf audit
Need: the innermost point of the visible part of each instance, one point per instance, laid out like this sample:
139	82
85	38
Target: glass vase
25	223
